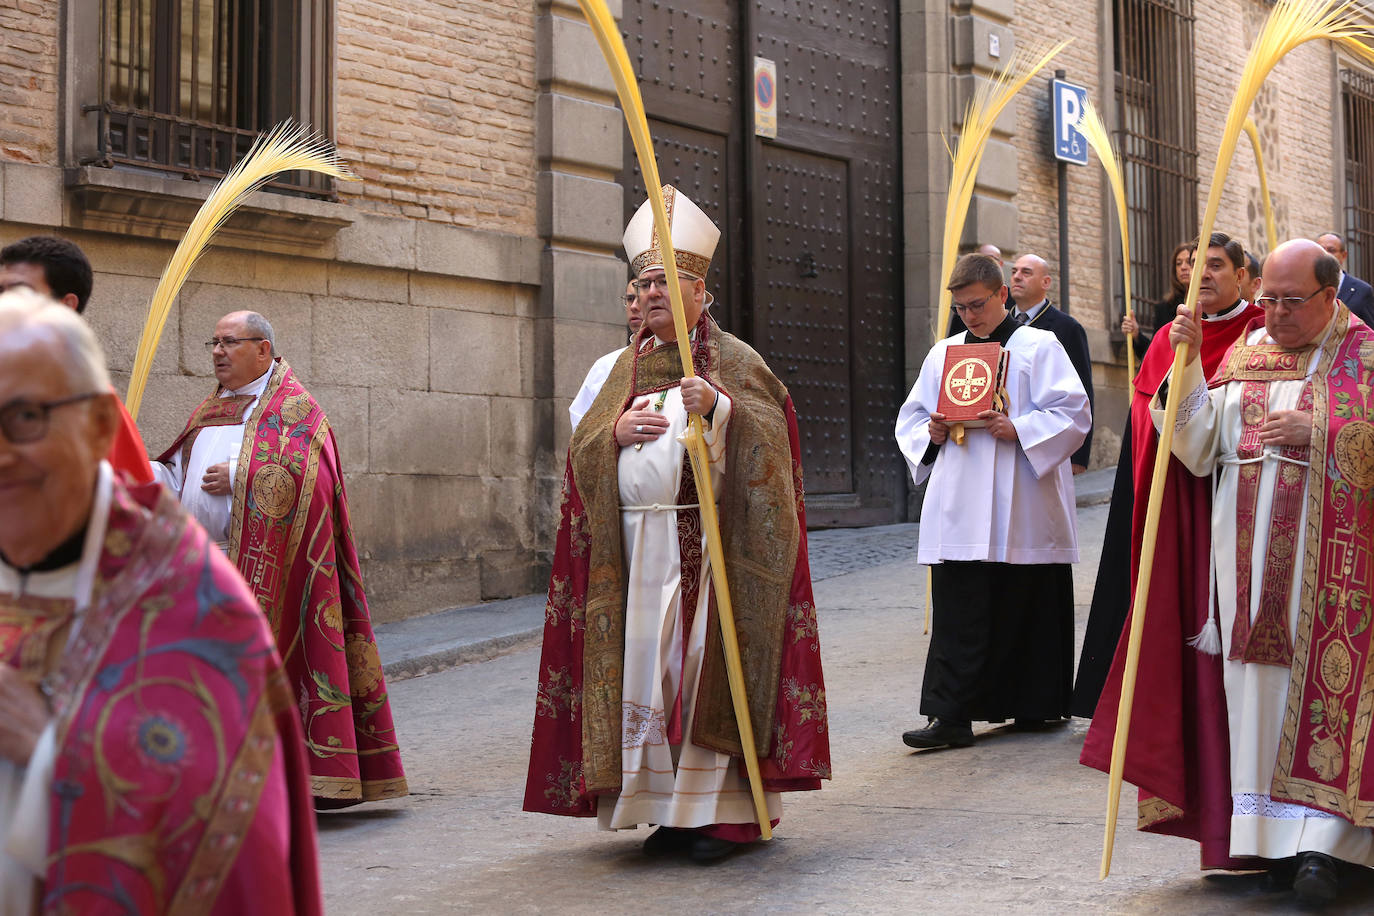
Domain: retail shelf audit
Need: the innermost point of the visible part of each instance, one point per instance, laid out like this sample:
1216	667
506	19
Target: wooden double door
808	269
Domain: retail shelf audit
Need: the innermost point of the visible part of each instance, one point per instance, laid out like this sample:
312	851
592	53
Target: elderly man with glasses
258	466
633	720
997	524
1258	751
150	754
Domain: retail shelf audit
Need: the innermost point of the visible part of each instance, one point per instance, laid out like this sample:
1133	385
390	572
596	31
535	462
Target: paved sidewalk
423	645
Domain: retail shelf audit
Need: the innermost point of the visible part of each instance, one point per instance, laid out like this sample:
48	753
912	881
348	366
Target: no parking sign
765	98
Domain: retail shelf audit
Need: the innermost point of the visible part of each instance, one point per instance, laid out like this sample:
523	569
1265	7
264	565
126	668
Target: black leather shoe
1316	880
667	841
708	849
940	733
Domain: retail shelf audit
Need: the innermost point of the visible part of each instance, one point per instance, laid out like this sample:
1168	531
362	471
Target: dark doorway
808	269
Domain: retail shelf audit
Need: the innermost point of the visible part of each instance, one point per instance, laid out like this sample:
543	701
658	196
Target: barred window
187	85
1157	137
1357	112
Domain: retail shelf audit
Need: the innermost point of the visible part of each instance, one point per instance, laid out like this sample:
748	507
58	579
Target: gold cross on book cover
973	381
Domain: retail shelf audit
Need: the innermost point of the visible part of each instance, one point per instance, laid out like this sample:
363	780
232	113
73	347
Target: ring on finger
638	428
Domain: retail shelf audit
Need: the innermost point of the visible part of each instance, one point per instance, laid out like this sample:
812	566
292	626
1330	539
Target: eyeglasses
973	307
630	297
1291	303
227	342
656	282
27	421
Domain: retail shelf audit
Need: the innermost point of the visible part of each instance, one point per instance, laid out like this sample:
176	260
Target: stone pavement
1011	825
424	645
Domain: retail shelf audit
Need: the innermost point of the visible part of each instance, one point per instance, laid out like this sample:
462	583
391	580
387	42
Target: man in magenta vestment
1267	766
150	753
257	465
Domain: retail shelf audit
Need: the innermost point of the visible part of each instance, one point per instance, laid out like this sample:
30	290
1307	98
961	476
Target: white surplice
673	785
213	445
25	791
1205	439
591	386
993	500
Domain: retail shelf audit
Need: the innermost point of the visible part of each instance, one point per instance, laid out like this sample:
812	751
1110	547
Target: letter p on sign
1067	102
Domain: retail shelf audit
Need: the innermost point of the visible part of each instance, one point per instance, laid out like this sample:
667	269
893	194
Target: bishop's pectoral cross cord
657	405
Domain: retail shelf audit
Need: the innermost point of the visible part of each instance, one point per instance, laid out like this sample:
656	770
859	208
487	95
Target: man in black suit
1030	285
1357	295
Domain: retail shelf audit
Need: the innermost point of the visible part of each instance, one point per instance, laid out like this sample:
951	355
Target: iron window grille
1157	138
1357	112
186	86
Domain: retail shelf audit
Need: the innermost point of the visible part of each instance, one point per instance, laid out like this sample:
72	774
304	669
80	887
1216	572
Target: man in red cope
258	467
150	752
1183	534
58	268
633	719
1258	752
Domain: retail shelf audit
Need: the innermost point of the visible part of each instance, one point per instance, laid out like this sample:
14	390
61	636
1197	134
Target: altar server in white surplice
997	525
601	369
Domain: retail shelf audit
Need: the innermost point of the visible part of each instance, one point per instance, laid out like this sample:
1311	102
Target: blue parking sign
1068	102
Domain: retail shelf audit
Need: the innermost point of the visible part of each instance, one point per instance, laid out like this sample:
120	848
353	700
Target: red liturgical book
972	382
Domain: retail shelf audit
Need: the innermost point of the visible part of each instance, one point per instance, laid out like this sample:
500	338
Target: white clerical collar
1227	315
254	387
82	583
1035	310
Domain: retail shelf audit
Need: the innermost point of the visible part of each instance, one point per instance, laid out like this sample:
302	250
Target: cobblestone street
1013	824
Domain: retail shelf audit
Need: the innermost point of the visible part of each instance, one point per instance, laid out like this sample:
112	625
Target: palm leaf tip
289	147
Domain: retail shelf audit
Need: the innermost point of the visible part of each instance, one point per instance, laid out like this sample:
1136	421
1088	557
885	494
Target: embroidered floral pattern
782	746
579	538
556	694
564	786
803	620
809	700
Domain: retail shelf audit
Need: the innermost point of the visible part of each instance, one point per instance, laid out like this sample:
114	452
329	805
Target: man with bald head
1277	775
258	466
150	757
1030	287
1357	295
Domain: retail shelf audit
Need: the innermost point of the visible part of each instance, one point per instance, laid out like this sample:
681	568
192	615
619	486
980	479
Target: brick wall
1037	195
435	108
28	81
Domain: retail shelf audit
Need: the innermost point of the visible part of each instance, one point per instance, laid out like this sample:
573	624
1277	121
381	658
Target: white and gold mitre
694	236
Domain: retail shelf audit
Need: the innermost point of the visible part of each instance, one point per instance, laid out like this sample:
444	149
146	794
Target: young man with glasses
997	525
1257	751
258	466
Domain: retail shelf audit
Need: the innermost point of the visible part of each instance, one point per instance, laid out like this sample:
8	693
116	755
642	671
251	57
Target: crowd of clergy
189	670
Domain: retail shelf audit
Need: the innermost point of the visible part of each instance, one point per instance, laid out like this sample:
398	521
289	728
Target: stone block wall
411	315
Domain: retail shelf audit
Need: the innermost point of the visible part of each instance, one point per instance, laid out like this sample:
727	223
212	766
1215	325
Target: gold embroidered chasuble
758	509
